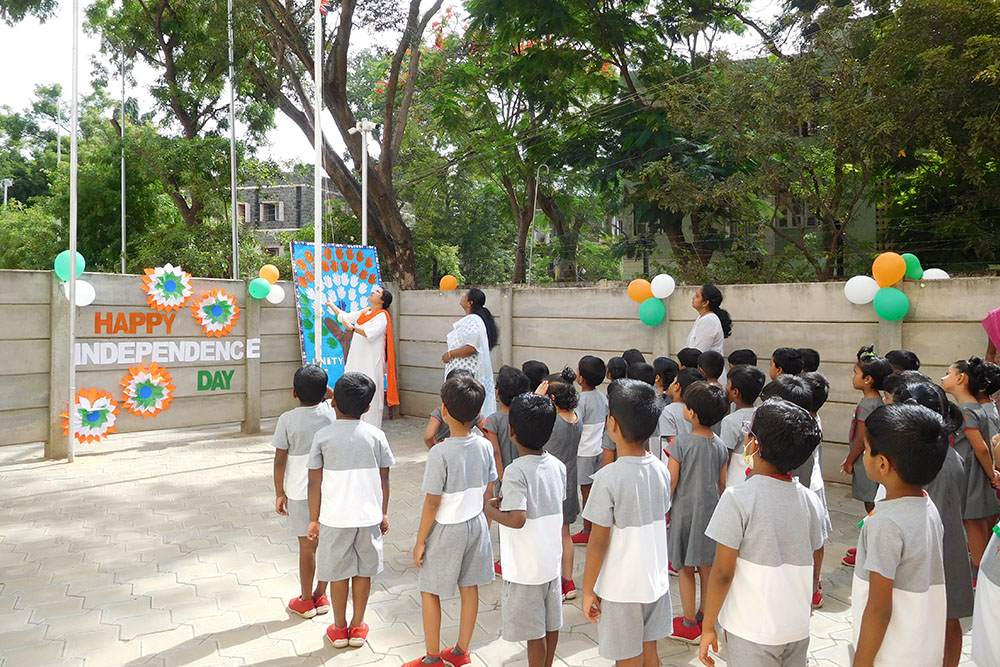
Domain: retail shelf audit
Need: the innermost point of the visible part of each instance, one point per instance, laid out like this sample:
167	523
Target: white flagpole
232	148
123	161
74	123
364	183
318	184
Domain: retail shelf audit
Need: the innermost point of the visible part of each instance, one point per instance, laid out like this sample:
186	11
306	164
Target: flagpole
73	157
318	183
232	148
123	162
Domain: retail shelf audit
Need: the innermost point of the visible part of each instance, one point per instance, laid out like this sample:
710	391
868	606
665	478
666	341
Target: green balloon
652	311
61	265
259	288
891	304
913	269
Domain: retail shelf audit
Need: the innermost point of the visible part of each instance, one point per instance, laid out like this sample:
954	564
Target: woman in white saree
469	343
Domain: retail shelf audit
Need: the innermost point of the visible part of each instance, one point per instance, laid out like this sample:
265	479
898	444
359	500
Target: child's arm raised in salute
875	620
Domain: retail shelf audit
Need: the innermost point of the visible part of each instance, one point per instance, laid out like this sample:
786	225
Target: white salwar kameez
706	334
367	355
471	330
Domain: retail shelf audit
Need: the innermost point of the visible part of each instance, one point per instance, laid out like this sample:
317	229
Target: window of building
797	216
241	212
272	211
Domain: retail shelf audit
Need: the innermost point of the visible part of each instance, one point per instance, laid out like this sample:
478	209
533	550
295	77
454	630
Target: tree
15	11
28	144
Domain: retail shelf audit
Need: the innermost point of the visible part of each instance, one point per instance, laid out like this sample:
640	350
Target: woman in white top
470	342
713	325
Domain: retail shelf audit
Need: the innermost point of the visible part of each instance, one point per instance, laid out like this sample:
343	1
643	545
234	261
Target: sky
33	53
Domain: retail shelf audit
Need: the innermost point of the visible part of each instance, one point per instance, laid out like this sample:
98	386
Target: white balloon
85	292
861	289
935	274
663	286
276	295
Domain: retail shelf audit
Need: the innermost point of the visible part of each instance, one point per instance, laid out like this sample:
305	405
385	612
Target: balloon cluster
649	295
265	286
85	292
448	282
888	269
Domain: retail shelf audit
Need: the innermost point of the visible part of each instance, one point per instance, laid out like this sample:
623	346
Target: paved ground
164	549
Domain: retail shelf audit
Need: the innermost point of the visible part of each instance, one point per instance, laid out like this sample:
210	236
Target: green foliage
30	238
14	11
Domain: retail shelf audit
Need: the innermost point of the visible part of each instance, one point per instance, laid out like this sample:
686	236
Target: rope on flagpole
318	184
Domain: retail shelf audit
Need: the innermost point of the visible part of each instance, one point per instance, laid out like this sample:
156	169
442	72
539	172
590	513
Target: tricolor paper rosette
216	312
147	391
167	287
94	414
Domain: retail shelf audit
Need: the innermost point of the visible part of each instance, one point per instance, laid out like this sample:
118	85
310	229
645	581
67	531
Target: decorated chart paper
148	391
216	312
94	415
167	287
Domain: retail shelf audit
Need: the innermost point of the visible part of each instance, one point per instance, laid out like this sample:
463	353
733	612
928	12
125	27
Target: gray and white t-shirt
532	554
459	470
732	436
592	411
294	433
986	617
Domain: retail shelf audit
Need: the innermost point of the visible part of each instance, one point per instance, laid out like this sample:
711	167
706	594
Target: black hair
904	360
642	371
511	382
708	402
309	383
873	366
592	370
931	396
386	298
912	437
687	376
786	433
819	388
532	418
458	372
617	368
992	377
463	397
981	376
666	369
561	389
688	357
633	356
748	380
536	372
792	388
743	356
810	359
353	393
894	381
788	359
478	300
636	407
713	296
711	363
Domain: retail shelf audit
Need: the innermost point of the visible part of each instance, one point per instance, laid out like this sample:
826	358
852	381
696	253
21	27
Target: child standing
672	423
453	541
640	370
592	410
688	357
898	595
986	618
617	368
348	505
743	356
902	360
666	370
767	530
530	518
510	383
785	361
743	385
712	364
810	359
536	371
437	429
698	462
819	389
625	581
293	438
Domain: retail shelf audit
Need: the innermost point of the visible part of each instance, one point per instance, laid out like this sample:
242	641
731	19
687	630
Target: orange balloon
888	269
449	282
639	290
269	272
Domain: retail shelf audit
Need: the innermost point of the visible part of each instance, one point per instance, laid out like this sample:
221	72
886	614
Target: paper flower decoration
167	287
94	414
148	391
216	312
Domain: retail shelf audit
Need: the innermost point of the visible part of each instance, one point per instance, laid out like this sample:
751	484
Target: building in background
281	206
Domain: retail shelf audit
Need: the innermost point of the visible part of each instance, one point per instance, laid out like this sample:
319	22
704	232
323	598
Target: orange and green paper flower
147	391
216	312
167	287
94	415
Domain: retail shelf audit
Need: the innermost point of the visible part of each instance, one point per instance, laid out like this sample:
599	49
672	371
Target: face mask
748	458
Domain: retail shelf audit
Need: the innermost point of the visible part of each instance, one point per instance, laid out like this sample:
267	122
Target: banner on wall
349	273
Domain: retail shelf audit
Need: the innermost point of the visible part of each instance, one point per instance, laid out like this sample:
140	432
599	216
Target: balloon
913	269
891	304
652	311
61	265
259	288
449	282
936	274
662	286
888	269
276	295
85	292
860	289
269	272
639	290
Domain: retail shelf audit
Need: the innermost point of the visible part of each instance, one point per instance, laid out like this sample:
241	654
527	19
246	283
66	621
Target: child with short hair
530	517
633	356
437	429
766	531
688	357
510	383
293	438
810	359
902	360
898	594
666	370
642	371
900	379
617	368
672	422
625	585
787	361
348	505
698	463
712	364
592	409
536	371
986	617
811	474
743	385
453	546
742	356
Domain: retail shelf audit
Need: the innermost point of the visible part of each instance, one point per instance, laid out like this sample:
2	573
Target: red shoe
303	608
322	604
340	637
852	551
849	559
818	597
580	538
449	658
496	568
359	634
672	571
568	590
690	634
419	662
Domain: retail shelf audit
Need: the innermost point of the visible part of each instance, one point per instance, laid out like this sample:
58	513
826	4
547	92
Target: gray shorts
586	466
743	653
457	555
624	626
343	553
529	611
298	517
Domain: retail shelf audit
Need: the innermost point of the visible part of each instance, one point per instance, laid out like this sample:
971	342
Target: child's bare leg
585	492
649	656
977	532
703	573
467	618
551	639
817	566
536	652
307	567
320	589
361	587
952	642
637	661
567	557
686	581
338	600
430	608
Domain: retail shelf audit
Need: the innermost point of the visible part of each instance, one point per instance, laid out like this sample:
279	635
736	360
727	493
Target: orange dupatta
392	394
